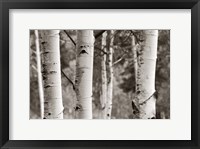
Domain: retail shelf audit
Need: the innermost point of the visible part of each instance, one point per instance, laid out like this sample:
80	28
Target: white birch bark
146	75
50	47
135	62
110	75
40	86
103	77
84	73
134	50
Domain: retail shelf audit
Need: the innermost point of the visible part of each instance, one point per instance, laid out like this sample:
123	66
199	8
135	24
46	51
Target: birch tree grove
104	77
51	74
99	74
146	74
110	74
84	73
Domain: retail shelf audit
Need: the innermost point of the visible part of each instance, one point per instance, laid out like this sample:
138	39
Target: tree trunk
146	75
135	62
40	86
103	77
110	74
50	47
84	74
134	50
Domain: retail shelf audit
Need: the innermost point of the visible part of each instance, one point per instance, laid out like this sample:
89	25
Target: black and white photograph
99	74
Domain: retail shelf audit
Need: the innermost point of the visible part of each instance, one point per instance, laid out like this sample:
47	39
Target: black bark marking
138	92
44	77
108	115
52	72
43	42
135	108
49	113
44	118
44	71
78	107
152	117
76	81
47	86
46	52
44	65
83	52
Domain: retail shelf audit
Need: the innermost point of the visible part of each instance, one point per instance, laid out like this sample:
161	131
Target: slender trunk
110	74
134	50
146	75
135	62
84	74
50	47
40	86
103	77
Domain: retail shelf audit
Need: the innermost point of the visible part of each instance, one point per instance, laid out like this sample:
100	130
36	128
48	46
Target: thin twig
34	68
104	52
68	79
127	37
70	38
120	59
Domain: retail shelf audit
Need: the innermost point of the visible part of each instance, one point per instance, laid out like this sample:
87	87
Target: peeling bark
50	47
110	75
84	74
145	86
40	88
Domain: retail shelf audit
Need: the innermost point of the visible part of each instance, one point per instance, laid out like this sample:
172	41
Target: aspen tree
84	73
40	86
135	62
145	90
134	50
110	74
51	74
103	77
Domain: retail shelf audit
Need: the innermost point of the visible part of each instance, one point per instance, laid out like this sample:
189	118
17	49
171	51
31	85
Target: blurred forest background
123	84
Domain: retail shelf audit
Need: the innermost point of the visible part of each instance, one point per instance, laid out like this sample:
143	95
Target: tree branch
34	68
68	79
70	38
120	59
104	52
136	37
99	34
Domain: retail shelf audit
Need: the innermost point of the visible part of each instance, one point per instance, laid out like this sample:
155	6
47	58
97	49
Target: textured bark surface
134	50
146	75
40	86
84	73
51	74
135	61
103	77
110	74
